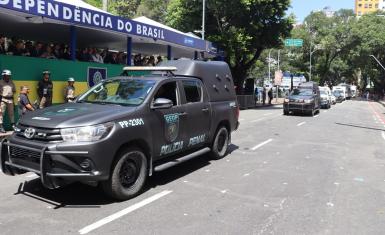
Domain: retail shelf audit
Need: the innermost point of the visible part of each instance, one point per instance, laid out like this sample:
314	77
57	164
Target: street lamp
203	19
311	54
202	31
105	5
378	62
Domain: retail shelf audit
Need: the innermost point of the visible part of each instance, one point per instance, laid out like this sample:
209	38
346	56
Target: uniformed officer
24	103
44	90
7	90
69	92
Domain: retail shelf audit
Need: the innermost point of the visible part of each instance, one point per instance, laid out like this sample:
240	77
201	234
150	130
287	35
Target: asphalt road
284	175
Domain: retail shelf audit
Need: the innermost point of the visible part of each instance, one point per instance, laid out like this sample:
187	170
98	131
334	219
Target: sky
302	8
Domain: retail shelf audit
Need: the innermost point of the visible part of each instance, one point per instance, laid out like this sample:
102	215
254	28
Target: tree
119	7
153	9
243	28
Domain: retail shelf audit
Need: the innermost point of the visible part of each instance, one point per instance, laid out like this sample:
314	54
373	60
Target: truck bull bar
47	177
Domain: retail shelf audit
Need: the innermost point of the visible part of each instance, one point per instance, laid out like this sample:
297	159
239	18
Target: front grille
24	154
41	134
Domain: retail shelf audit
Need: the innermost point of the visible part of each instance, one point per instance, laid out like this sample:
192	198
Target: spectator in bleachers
159	59
19	50
138	60
48	53
84	56
104	55
37	51
66	52
121	58
58	51
96	57
151	61
114	58
2	45
28	47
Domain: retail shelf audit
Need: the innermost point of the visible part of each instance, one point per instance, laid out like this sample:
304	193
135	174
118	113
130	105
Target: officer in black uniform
44	90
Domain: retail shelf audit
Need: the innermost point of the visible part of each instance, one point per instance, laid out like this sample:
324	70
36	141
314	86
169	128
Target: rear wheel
128	175
220	144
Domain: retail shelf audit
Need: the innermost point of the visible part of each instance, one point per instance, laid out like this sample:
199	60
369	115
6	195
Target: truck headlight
86	133
309	101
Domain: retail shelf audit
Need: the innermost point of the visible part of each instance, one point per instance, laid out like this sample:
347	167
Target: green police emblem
171	127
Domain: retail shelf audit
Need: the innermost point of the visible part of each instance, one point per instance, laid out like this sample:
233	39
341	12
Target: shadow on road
78	195
358	126
266	107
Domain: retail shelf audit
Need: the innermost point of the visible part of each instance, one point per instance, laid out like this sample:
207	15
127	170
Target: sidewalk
382	102
274	102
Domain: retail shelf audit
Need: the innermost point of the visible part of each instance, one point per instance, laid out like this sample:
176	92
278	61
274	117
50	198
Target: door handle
205	109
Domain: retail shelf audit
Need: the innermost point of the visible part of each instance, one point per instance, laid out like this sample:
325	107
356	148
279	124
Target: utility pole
311	53
105	5
279	71
204	20
378	61
270	65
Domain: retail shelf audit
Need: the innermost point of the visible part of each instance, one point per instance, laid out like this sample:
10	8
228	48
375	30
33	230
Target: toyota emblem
29	133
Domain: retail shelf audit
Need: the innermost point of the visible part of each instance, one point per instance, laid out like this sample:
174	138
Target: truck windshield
304	92
126	92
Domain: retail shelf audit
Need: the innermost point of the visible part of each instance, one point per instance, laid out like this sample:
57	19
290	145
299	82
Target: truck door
169	129
198	111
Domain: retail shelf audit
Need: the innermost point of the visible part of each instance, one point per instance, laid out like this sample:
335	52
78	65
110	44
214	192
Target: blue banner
96	75
95	19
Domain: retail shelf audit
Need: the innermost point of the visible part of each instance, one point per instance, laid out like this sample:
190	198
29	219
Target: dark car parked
124	128
304	99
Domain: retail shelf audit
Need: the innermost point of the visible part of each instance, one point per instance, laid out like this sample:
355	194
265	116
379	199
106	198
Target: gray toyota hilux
122	129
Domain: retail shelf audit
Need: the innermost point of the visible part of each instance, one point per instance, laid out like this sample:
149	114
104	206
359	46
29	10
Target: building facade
367	6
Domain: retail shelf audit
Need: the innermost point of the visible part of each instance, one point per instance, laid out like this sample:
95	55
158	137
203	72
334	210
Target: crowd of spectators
18	47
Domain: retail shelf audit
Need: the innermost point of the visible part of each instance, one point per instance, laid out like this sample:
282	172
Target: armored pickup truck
118	132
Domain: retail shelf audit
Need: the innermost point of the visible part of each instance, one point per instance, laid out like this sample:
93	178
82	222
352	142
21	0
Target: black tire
220	144
128	175
312	112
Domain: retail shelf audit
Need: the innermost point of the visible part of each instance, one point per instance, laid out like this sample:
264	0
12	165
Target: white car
325	94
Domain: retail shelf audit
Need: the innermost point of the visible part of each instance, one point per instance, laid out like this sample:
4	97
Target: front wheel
220	144
128	175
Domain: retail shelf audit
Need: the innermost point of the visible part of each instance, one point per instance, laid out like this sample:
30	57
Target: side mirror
162	103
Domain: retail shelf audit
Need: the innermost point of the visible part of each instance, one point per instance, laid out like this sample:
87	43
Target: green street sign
293	42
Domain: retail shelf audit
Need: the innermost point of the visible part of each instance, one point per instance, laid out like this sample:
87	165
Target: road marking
241	119
383	134
267	114
121	213
316	115
224	191
262	144
300	124
258	120
247	174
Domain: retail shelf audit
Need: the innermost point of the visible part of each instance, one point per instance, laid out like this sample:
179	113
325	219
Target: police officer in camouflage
69	92
7	91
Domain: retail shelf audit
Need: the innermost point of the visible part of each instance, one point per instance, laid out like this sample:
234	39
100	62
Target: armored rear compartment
215	75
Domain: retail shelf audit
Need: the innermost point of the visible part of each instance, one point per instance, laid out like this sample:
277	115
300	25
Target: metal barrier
246	101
